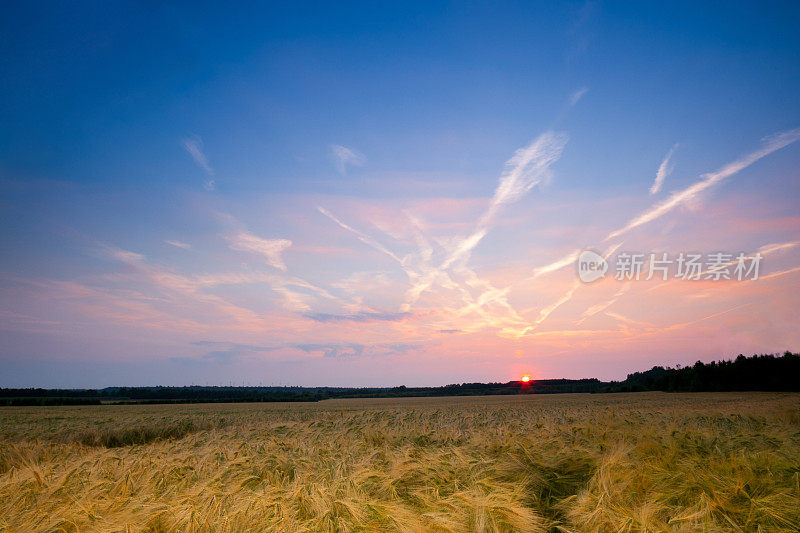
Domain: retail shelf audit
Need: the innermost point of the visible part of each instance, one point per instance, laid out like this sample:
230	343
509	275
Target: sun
526	378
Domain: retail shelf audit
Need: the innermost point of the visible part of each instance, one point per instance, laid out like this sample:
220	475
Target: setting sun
526	378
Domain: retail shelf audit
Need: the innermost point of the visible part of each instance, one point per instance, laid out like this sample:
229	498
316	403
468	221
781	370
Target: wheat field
626	462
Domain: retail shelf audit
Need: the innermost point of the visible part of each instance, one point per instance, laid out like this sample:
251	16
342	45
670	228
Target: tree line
766	372
756	373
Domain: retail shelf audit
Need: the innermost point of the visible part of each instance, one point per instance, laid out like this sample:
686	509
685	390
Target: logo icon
591	266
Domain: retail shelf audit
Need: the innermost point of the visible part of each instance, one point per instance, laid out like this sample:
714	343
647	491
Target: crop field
614	462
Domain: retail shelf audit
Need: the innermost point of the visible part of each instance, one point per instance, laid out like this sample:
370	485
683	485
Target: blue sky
130	126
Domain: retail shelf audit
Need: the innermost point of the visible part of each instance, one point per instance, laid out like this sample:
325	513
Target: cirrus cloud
344	157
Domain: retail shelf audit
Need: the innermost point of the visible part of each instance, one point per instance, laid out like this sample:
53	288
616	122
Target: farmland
614	462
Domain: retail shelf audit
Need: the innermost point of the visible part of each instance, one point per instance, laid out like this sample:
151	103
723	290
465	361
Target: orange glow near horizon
526	378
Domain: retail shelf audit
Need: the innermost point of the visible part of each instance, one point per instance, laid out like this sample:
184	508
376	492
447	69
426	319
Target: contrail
366	239
771	144
544	313
664	170
528	167
605	305
780	273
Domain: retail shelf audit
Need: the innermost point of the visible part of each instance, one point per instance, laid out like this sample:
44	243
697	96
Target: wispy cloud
603	306
484	304
777	247
781	273
583	28
172	287
194	146
558	264
575	97
529	167
270	249
363	316
708	317
363	237
767	249
179	244
664	170
357	350
567	260
227	352
344	157
332	350
628	321
547	311
770	145
297	293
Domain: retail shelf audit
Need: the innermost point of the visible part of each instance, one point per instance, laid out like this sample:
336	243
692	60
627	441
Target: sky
376	194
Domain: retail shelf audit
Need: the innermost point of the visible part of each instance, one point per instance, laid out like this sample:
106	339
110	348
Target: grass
628	462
